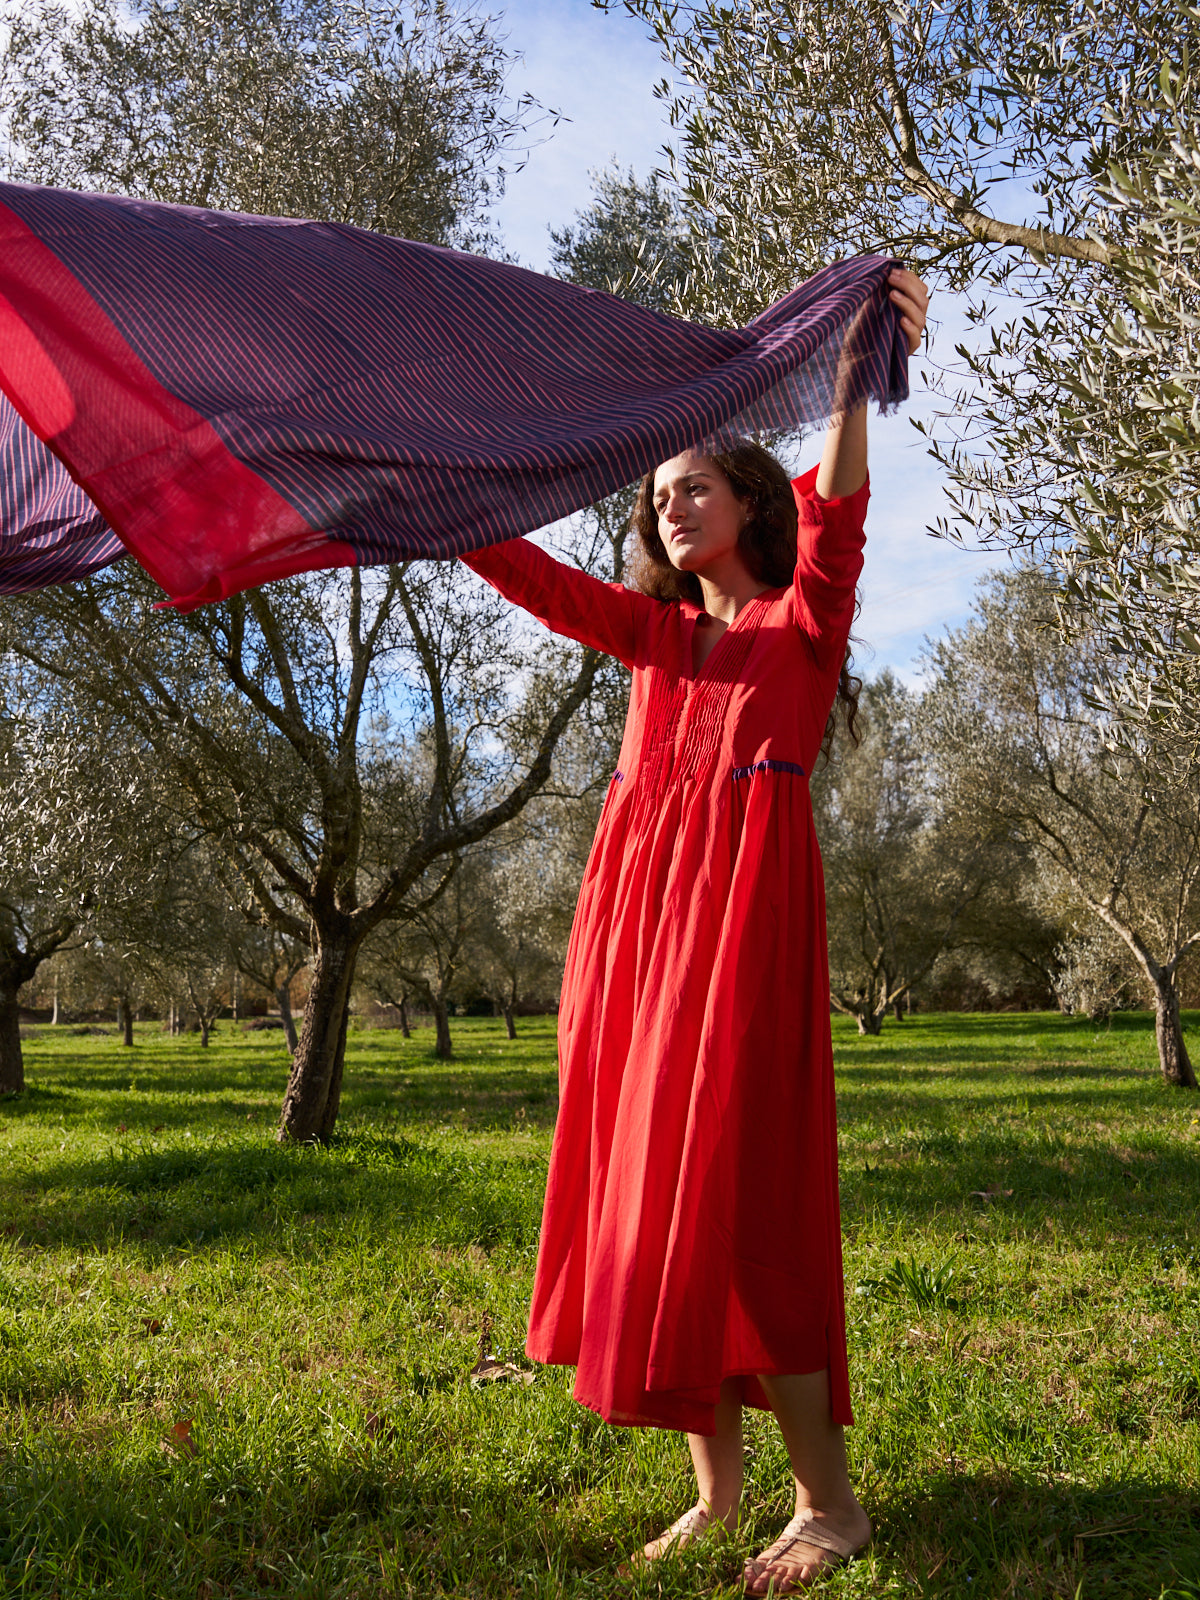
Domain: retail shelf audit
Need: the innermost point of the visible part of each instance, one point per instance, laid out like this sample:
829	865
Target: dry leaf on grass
992	1192
179	1441
488	1370
152	1325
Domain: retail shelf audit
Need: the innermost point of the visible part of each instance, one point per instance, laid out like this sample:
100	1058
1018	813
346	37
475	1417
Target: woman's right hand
909	295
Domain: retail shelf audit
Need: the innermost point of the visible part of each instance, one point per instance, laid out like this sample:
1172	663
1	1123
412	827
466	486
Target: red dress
691	1228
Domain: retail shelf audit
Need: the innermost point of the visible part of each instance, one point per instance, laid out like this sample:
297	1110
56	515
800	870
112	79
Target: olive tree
386	115
75	813
900	872
1091	461
1043	158
967	136
518	945
334	736
1116	830
632	239
423	955
272	960
1093	977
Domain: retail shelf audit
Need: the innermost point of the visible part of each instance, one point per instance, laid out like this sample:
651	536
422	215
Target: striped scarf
232	399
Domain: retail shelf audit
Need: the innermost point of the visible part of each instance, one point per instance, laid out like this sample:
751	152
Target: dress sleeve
829	559
606	616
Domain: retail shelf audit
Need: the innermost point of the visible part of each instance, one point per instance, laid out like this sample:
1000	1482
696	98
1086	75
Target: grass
231	1369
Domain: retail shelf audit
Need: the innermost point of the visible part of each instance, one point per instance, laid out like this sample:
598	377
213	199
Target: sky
598	72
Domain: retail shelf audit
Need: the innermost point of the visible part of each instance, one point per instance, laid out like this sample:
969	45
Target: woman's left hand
911	299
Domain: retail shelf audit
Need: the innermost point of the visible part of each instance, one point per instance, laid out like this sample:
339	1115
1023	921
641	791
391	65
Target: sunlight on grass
1023	1295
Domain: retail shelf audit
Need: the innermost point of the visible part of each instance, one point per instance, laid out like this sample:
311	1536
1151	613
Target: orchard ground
235	1369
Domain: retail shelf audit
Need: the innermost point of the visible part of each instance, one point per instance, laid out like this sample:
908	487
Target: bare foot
794	1562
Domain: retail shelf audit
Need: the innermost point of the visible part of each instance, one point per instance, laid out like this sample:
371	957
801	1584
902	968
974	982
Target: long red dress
691	1228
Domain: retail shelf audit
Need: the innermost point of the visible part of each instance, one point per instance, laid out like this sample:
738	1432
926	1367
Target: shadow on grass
35	1100
175	1195
972	1064
1032	1024
1143	1194
420	1092
1025	1115
1051	1139
309	1517
992	1534
1024	1041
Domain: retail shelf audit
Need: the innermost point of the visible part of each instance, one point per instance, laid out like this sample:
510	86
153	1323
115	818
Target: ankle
834	1502
722	1506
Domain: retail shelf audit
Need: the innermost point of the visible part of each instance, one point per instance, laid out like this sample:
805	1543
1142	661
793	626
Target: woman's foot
795	1561
696	1523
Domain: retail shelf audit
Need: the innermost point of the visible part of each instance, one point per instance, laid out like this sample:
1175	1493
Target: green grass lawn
231	1369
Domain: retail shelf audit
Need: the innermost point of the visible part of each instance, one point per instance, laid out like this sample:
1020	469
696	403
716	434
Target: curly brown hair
767	543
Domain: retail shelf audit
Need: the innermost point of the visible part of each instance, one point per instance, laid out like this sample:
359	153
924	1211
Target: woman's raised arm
843	469
606	616
829	558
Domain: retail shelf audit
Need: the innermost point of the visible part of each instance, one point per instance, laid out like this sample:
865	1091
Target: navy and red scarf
232	399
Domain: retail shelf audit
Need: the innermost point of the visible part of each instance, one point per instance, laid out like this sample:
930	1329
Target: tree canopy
336	735
385	115
1043	159
1117	831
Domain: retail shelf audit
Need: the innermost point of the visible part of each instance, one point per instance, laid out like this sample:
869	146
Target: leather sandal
803	1529
695	1523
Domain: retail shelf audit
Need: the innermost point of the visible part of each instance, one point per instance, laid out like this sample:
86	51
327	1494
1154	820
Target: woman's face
699	516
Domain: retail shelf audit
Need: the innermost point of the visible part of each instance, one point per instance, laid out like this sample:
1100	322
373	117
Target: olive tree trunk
444	1047
868	1007
283	998
125	1019
12	1063
1173	1055
314	1091
17	967
1173	1059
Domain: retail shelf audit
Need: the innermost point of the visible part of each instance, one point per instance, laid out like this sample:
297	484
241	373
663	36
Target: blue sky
599	71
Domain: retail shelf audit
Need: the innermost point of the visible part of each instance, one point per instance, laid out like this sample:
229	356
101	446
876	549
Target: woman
690	1259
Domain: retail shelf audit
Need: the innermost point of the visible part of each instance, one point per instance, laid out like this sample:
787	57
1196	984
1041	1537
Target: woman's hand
911	299
843	466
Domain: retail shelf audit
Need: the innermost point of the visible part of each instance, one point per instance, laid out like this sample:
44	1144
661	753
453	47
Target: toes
693	1525
789	1576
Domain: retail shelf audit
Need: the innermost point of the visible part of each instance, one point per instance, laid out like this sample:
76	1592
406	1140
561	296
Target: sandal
685	1530
804	1529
